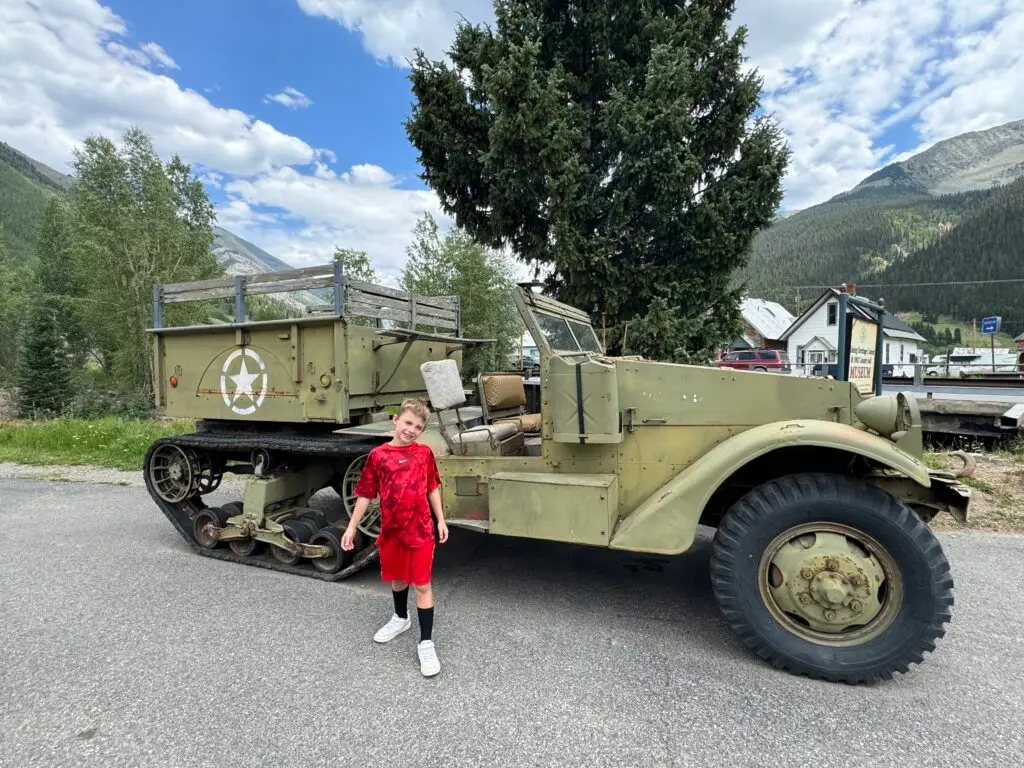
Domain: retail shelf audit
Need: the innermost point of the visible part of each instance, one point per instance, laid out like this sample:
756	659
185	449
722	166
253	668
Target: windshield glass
585	336
567	335
557	333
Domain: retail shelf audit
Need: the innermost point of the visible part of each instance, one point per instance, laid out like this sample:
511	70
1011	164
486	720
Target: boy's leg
393	564
400	592
425	609
422	561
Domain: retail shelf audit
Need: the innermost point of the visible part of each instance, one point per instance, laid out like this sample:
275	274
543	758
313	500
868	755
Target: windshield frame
540	312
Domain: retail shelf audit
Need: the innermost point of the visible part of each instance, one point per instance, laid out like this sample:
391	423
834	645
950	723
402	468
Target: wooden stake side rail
352	298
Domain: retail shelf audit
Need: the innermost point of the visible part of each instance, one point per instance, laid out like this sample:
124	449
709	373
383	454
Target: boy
405	474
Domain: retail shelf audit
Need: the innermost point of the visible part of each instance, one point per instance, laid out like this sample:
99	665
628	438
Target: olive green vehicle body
633	454
822	561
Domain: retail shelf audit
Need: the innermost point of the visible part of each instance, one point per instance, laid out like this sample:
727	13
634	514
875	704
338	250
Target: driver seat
445	391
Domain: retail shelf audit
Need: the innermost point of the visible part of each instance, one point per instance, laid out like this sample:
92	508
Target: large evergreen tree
43	373
55	277
612	145
8	312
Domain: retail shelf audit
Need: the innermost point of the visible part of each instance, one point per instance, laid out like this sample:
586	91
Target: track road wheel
295	531
208	516
339	558
828	576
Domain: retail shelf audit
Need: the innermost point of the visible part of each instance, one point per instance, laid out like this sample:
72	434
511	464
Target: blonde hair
415	405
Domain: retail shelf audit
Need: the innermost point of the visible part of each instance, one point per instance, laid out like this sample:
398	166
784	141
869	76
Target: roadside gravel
72	473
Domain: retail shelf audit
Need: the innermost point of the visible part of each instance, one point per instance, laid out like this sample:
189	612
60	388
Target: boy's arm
435	504
348	538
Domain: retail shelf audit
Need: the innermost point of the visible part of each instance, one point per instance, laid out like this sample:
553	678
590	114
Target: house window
833	314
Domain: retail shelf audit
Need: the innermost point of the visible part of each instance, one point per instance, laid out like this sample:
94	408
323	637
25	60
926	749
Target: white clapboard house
813	338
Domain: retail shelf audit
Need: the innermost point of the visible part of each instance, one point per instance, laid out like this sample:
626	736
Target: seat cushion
528	422
444	385
496	432
503	391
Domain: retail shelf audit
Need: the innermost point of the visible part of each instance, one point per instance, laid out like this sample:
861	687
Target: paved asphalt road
121	647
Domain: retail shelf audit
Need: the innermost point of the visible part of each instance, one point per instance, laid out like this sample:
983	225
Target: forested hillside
988	246
24	192
852	238
896	227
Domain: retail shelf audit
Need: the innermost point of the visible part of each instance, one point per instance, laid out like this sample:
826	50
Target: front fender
666	522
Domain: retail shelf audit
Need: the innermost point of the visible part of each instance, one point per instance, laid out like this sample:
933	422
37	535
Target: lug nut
805	598
832	564
829	615
855	606
806	573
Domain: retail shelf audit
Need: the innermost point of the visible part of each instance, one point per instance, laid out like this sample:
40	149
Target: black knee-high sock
401	602
426	616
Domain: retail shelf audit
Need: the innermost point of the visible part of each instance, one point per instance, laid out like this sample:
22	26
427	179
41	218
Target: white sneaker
392	629
429	665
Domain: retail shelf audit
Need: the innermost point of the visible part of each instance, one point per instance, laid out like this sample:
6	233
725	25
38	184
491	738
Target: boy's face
408	427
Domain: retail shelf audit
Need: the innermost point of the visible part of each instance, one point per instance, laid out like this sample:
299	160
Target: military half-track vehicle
822	562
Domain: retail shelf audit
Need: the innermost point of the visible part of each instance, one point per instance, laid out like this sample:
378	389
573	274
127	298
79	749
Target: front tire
830	577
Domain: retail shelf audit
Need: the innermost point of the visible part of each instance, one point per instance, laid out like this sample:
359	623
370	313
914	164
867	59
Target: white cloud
391	29
67	71
291	98
361	209
158	54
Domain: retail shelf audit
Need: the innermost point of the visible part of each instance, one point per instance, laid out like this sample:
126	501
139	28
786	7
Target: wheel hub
823	582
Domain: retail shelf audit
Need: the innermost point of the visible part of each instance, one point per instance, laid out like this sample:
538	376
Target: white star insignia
243	382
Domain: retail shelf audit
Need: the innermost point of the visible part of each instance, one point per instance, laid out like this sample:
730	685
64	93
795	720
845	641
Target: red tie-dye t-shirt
403	475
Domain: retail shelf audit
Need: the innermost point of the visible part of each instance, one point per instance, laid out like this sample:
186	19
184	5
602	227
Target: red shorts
409	564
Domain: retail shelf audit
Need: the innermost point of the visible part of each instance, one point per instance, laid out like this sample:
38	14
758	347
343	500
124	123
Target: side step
481	526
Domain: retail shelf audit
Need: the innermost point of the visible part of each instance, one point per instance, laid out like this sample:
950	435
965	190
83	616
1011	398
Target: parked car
775	360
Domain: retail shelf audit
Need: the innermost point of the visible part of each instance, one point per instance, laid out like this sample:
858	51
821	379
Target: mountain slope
874	232
240	257
24	191
970	161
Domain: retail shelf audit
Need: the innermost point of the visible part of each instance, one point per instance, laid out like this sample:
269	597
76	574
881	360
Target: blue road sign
990	324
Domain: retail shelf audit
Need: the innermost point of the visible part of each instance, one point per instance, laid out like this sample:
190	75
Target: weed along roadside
997	486
109	442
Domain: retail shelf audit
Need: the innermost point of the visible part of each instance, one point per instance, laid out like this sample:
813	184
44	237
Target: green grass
108	442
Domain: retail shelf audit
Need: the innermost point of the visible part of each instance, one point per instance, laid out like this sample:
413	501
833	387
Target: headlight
883	414
888	415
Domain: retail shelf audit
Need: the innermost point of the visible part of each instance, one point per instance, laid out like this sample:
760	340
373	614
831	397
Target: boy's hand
442	531
347	539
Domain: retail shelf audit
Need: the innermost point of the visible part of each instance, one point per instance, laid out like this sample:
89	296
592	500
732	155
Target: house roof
892	325
766	317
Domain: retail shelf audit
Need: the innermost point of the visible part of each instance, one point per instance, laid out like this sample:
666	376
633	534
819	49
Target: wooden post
339	287
239	299
158	313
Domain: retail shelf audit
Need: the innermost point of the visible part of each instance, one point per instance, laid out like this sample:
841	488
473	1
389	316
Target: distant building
764	324
813	337
1019	341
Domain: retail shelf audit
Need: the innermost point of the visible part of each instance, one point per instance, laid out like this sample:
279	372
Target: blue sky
854	84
